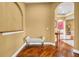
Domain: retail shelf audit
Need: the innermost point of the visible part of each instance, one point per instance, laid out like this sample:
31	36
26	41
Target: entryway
64	27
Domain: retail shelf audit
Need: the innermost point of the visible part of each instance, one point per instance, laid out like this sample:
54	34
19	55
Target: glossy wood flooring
34	51
63	50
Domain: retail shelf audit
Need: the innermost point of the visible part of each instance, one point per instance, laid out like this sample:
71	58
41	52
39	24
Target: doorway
64	22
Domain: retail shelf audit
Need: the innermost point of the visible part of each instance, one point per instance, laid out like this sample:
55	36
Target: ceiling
65	8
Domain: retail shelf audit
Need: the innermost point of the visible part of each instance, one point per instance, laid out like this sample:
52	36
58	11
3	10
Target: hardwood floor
37	51
63	50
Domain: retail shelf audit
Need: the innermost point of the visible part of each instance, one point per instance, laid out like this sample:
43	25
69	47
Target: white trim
15	54
50	43
71	13
34	43
9	33
69	42
76	51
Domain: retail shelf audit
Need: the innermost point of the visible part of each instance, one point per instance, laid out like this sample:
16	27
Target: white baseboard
15	54
50	43
76	51
69	42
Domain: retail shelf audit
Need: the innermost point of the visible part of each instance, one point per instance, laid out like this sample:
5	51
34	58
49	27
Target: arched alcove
8	20
64	21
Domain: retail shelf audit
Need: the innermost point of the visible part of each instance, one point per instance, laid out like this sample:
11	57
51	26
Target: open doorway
64	22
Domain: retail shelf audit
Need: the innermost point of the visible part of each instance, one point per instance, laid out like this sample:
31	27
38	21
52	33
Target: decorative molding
10	33
16	53
69	14
50	43
17	4
69	42
76	51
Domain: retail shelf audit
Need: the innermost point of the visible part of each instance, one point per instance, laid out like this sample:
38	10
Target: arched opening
64	24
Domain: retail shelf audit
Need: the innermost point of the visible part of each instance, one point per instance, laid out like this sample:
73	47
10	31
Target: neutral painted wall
76	25
38	19
52	22
8	19
9	44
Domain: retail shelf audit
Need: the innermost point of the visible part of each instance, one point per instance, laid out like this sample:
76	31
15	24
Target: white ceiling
65	8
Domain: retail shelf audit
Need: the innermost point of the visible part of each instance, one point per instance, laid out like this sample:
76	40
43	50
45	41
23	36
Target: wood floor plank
63	50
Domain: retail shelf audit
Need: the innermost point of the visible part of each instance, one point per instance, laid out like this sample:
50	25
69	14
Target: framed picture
68	29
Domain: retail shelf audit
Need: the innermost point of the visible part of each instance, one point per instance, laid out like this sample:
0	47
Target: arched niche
11	17
64	12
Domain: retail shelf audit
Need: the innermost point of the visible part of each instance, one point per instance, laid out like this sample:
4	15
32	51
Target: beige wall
76	23
9	44
8	19
38	19
53	8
